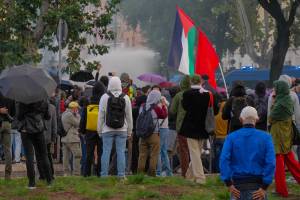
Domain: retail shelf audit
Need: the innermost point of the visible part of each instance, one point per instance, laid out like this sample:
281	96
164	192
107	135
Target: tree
29	25
283	28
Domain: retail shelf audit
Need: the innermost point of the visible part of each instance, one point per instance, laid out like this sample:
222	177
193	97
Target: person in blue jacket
247	162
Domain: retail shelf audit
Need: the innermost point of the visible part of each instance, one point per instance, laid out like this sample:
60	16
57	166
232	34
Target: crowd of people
190	129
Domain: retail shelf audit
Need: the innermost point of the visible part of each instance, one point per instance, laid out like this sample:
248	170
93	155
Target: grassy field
136	187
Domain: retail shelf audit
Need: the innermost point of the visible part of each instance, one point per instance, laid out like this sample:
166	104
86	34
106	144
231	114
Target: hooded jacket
70	122
115	87
98	90
237	91
51	125
294	97
176	106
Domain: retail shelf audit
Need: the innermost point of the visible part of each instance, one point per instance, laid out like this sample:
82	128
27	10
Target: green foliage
28	25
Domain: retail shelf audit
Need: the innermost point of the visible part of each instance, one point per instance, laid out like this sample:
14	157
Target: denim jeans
16	144
246	195
218	146
120	140
83	154
163	158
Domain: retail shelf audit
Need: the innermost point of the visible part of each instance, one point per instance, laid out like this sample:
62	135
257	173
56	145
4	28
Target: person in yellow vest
220	135
88	127
127	87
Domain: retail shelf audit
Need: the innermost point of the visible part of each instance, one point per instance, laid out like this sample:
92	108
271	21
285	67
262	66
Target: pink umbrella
152	78
167	84
220	90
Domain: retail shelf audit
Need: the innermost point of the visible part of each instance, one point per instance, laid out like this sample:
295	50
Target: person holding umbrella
30	86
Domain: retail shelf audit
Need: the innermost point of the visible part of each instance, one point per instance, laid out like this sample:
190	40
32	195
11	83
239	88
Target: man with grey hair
247	162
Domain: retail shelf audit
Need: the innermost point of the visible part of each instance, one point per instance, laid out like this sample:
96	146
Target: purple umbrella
152	78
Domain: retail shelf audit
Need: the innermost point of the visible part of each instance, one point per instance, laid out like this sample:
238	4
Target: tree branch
293	12
274	9
40	25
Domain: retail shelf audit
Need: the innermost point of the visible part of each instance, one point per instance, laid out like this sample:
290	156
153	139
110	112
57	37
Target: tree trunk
279	51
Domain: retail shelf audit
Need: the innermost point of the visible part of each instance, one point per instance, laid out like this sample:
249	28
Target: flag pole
224	81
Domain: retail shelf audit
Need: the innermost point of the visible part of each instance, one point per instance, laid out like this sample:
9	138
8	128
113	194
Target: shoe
49	184
31	186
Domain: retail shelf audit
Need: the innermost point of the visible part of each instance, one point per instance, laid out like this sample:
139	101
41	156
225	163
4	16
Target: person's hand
259	194
235	192
3	110
129	137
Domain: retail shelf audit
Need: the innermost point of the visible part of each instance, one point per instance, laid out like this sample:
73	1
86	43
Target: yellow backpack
92	117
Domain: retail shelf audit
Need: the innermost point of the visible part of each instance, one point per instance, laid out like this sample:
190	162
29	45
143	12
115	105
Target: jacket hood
153	98
238	91
98	90
185	83
286	79
281	88
114	84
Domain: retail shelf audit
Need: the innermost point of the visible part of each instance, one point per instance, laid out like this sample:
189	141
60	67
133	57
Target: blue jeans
163	158
218	146
246	195
83	154
120	140
16	144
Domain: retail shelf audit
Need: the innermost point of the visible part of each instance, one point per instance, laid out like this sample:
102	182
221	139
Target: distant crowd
190	129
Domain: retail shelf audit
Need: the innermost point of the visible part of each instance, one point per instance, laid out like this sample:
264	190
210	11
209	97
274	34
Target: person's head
156	87
104	80
153	98
196	80
185	83
145	89
125	80
205	77
238	89
281	88
98	90
63	95
73	106
287	79
260	89
249	116
114	84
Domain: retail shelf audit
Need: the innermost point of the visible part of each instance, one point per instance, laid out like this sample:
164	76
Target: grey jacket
51	125
71	126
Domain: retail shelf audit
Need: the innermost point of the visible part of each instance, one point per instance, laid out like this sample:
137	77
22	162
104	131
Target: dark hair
205	77
156	86
104	80
145	89
260	89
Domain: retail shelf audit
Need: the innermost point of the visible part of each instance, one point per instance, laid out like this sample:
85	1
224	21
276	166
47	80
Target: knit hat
249	113
73	104
195	79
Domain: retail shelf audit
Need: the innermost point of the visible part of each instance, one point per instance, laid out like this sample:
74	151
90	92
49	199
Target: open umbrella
82	76
26	84
167	84
152	78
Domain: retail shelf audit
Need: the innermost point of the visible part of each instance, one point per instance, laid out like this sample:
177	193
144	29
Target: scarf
283	107
153	99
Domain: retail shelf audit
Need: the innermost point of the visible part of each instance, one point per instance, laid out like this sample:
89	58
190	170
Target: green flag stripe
191	45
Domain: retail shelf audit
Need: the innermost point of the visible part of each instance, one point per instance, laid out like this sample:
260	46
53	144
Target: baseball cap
249	112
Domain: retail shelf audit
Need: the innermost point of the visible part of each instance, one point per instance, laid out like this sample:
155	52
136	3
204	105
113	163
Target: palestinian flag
182	52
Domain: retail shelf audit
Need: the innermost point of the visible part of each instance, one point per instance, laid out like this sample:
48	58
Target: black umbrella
82	76
66	85
26	84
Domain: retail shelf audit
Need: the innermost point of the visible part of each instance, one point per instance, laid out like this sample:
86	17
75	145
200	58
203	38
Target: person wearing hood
71	142
195	102
88	127
296	114
280	118
151	145
177	109
114	124
233	107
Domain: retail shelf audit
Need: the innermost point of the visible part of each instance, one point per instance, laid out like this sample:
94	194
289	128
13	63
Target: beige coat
71	125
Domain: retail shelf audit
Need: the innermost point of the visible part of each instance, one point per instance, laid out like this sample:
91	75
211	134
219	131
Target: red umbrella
167	84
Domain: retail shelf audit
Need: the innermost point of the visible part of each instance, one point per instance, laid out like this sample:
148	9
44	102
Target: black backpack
115	115
145	125
261	105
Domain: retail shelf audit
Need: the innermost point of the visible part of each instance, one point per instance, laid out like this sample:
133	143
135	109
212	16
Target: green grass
134	188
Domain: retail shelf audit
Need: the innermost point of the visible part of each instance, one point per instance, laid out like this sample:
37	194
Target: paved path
19	170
